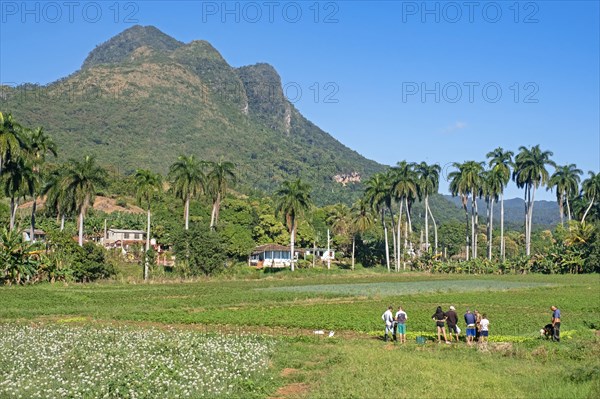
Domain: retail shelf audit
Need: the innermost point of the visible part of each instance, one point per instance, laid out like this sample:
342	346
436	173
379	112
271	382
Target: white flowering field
60	361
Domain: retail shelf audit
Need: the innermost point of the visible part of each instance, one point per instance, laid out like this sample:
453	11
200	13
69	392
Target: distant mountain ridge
545	213
142	98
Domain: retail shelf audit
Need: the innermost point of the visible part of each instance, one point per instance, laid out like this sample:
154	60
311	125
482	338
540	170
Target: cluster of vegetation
221	227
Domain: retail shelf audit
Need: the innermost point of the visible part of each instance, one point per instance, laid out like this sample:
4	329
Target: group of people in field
477	325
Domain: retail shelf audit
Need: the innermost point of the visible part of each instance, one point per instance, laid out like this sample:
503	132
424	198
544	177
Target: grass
356	363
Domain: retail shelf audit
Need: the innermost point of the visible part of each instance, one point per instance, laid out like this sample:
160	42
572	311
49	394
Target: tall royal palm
591	191
493	186
362	220
57	198
501	161
219	177
428	184
530	173
188	180
12	139
293	199
148	186
378	196
403	182
82	181
40	145
467	181
566	180
18	182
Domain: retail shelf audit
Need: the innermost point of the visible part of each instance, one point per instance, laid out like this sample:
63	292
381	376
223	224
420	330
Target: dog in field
547	332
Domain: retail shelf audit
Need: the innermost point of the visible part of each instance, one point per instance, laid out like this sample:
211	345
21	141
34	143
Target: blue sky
421	81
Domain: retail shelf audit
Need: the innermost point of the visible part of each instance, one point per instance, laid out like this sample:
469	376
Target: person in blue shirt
470	321
556	323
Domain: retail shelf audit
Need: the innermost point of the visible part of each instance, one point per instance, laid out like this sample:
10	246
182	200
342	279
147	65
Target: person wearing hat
452	320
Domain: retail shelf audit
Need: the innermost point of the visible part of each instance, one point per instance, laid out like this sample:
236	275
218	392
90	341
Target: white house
271	255
122	238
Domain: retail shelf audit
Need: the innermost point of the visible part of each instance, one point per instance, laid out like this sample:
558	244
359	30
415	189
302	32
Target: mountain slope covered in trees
143	98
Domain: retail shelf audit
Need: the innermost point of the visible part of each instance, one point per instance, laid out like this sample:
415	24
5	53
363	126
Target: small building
123	238
271	255
322	253
275	255
38	235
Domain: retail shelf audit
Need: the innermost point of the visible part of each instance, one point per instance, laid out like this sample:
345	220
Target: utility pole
328	251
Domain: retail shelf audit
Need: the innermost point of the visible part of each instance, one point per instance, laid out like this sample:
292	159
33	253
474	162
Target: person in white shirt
485	328
388	319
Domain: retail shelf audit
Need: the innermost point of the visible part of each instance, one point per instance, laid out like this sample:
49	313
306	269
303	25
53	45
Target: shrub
200	251
68	259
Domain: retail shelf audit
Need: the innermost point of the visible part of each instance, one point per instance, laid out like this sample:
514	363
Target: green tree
530	173
57	198
293	199
591	191
404	187
12	139
19	181
17	265
362	220
378	196
493	186
220	175
82	181
40	145
501	161
428	183
201	251
188	180
566	180
148	186
467	181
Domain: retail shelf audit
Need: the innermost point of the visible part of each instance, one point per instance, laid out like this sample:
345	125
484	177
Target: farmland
220	320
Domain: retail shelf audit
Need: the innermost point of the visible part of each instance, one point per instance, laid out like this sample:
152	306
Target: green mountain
143	98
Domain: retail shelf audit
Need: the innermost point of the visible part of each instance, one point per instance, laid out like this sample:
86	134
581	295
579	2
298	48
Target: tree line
388	201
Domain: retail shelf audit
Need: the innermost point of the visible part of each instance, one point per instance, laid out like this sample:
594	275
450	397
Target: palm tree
40	145
362	220
530	172
19	181
501	160
12	139
218	178
428	184
147	186
404	189
566	179
467	181
340	218
591	191
188	181
57	198
377	195
82	180
493	185
293	200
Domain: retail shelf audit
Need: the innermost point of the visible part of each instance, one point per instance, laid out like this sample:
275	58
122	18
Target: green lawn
355	363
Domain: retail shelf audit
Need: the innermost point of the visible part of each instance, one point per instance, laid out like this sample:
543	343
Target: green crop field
194	339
